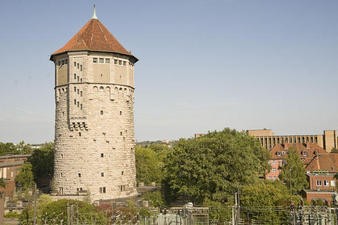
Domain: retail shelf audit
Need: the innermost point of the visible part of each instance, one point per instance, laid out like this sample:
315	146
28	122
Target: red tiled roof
306	151
324	162
93	36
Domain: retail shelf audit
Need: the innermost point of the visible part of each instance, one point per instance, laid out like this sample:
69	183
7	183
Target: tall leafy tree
267	202
42	161
148	165
213	166
293	173
24	179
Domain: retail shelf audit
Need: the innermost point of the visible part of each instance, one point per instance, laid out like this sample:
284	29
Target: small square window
75	89
115	61
94	60
74	76
102	174
101	112
120	113
107	60
124	63
101	60
120	62
79	174
74	64
102	155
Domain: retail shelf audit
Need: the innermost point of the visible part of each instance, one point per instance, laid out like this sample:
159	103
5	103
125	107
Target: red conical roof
94	36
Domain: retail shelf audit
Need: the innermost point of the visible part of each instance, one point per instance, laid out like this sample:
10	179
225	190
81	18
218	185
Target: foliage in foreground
213	166
53	212
266	201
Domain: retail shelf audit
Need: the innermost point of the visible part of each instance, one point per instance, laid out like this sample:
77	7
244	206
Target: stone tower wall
94	126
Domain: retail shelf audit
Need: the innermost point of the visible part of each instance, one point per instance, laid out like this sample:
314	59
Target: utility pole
235	210
34	212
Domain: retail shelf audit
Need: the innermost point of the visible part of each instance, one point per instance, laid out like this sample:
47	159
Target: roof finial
94	13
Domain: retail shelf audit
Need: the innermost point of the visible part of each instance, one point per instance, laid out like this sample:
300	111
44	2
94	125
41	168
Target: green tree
148	165
293	173
12	149
7	148
155	198
42	161
24	179
213	166
267	202
53	212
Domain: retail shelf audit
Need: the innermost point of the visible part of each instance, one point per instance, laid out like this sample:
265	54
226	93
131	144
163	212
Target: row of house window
101	60
107	60
120	62
77	78
78	66
77	103
322	183
76	90
277	140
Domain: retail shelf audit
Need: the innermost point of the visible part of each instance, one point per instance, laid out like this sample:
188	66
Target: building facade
321	173
278	155
328	140
10	166
94	117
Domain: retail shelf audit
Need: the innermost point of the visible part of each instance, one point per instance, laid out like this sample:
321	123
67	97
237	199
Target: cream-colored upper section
92	67
61	70
260	132
328	140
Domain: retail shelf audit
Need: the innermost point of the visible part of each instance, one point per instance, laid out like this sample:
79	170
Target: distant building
9	167
328	140
321	173
279	152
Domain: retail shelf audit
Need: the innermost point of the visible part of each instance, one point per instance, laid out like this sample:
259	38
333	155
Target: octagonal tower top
94	36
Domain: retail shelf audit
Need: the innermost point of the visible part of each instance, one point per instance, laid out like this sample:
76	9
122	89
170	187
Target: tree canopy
213	166
149	163
24	179
267	202
293	173
42	161
14	149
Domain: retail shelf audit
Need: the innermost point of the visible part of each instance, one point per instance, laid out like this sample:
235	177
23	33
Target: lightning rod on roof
94	13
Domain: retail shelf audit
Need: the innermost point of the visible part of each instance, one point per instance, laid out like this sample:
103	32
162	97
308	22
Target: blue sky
204	64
